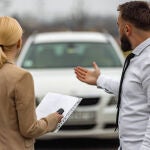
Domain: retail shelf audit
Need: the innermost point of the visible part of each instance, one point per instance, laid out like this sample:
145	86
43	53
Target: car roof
70	37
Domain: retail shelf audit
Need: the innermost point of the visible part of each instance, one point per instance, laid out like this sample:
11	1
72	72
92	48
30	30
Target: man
133	90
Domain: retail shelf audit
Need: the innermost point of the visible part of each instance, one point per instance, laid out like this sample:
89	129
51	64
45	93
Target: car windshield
71	54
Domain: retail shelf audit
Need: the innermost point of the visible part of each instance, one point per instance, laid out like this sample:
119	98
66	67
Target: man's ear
128	29
19	44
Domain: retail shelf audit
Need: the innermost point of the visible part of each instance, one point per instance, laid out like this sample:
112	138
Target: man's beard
125	43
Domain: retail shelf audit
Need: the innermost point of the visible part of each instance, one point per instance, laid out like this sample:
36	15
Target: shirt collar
139	49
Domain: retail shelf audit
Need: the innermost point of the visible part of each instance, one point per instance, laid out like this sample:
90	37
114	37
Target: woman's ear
19	44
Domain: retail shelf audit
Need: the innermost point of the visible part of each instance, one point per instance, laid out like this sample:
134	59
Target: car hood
64	81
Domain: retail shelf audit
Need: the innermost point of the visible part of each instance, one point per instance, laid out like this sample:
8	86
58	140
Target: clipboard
54	101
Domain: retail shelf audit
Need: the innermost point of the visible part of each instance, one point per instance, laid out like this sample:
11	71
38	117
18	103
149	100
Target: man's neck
139	38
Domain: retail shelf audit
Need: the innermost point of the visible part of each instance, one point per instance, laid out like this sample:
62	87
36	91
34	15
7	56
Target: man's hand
88	76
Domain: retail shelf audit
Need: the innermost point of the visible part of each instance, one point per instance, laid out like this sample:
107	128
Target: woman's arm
29	126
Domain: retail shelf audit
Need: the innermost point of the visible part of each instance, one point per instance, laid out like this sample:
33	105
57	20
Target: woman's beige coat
18	123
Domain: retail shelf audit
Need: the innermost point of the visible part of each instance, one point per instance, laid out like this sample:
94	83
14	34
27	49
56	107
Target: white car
51	58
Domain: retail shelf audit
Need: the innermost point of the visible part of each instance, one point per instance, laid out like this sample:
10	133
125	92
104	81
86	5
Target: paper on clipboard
54	101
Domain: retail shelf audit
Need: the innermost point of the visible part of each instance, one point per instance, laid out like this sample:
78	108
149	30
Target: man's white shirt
134	115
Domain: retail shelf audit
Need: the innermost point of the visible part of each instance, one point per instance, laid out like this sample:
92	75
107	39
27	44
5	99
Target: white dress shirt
134	116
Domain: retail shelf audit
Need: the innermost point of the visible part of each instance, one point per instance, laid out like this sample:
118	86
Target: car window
65	55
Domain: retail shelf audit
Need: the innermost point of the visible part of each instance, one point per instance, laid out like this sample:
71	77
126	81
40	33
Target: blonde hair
10	33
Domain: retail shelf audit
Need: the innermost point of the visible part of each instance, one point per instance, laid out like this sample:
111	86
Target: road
77	144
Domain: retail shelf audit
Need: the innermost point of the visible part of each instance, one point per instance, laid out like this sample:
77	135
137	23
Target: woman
18	123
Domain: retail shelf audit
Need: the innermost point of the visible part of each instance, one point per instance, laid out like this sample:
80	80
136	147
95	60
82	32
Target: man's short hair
137	13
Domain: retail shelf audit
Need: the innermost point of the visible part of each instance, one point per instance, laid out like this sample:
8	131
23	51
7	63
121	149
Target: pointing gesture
88	76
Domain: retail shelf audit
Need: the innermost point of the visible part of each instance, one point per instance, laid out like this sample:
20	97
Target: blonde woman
18	123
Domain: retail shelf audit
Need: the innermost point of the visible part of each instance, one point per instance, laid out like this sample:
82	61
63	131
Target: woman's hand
54	119
88	76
